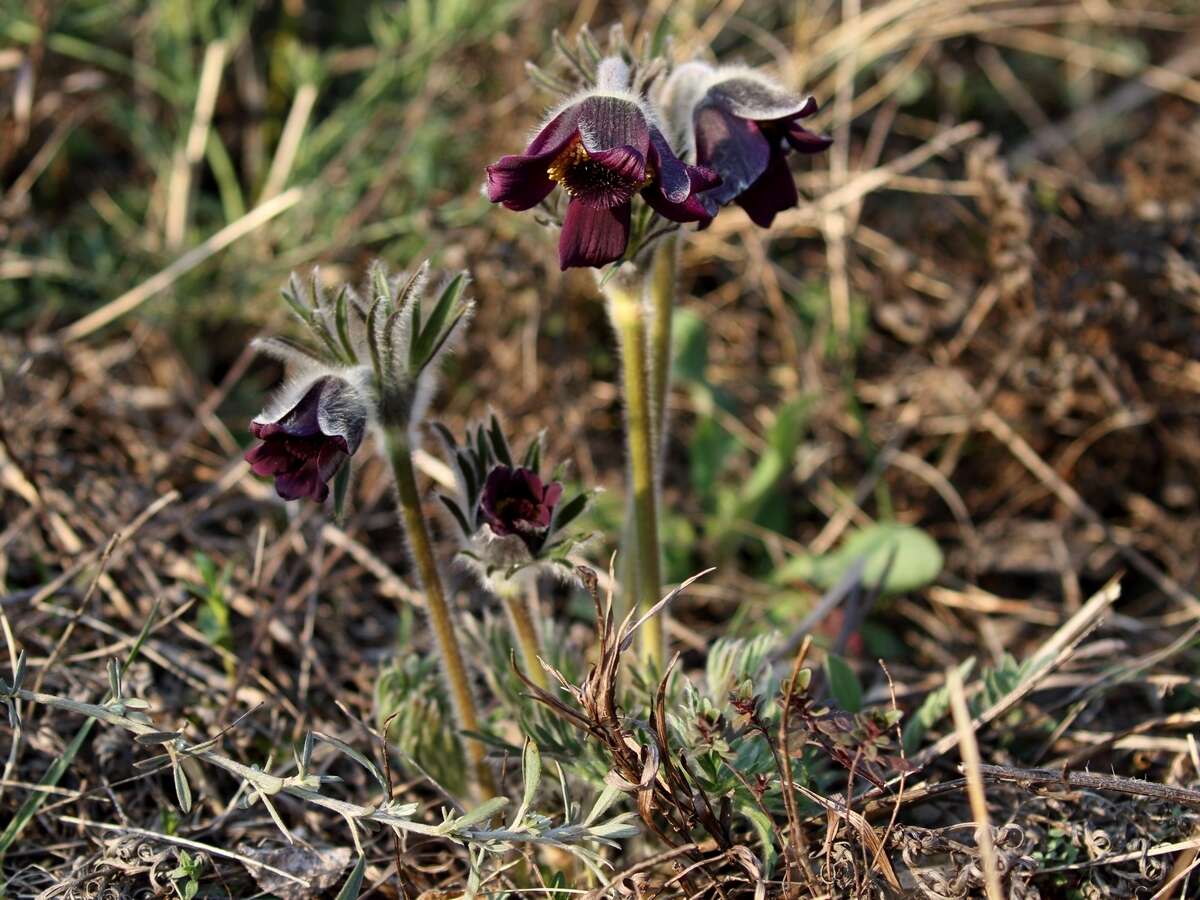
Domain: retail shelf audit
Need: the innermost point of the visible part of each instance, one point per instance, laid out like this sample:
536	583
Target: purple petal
531	483
301	421
303	482
693	209
607	178
672	173
556	133
606	122
329	460
520	181
267	460
331	409
734	148
760	99
804	141
702	178
553	494
593	236
772	193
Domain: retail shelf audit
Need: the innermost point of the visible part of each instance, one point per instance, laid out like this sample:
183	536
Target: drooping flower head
602	147
305	444
516	502
510	519
372	359
741	125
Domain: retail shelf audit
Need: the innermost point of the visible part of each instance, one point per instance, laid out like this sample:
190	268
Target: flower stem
521	619
661	287
459	682
661	291
629	321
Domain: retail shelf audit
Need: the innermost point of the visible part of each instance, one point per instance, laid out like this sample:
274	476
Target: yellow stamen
573	154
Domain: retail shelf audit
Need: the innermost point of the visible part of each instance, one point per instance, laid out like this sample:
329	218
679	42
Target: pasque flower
305	443
602	147
516	502
374	361
741	125
510	520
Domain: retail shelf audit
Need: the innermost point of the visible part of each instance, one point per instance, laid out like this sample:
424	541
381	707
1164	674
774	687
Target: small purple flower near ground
744	124
515	502
601	149
303	448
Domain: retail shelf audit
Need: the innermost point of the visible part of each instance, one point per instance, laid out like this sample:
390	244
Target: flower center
590	180
513	509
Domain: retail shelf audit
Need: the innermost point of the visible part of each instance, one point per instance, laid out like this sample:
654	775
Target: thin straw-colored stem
453	665
520	617
969	751
629	320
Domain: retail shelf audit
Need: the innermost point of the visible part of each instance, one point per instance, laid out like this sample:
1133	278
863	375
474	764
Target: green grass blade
59	767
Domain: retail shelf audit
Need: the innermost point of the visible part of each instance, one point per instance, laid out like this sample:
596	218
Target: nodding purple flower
303	447
516	502
743	124
601	148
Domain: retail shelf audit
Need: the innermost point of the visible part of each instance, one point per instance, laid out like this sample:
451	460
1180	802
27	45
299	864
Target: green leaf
499	443
569	511
708	451
533	454
531	775
690	337
59	767
785	435
459	517
353	885
446	435
434	329
929	713
156	737
354	755
843	683
606	799
183	790
291	295
342	320
916	560
766	831
466	465
479	814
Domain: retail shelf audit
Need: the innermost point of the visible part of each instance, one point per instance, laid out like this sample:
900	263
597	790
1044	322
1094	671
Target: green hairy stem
629	321
521	618
661	289
440	619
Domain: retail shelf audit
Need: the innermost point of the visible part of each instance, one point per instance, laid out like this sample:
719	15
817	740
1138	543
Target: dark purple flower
516	502
303	448
602	150
744	127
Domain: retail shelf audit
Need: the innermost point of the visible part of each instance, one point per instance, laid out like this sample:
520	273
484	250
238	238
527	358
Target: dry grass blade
969	750
132	299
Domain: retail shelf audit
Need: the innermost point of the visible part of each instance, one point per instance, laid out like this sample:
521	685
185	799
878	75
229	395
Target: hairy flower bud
602	147
508	517
516	502
741	125
305	443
